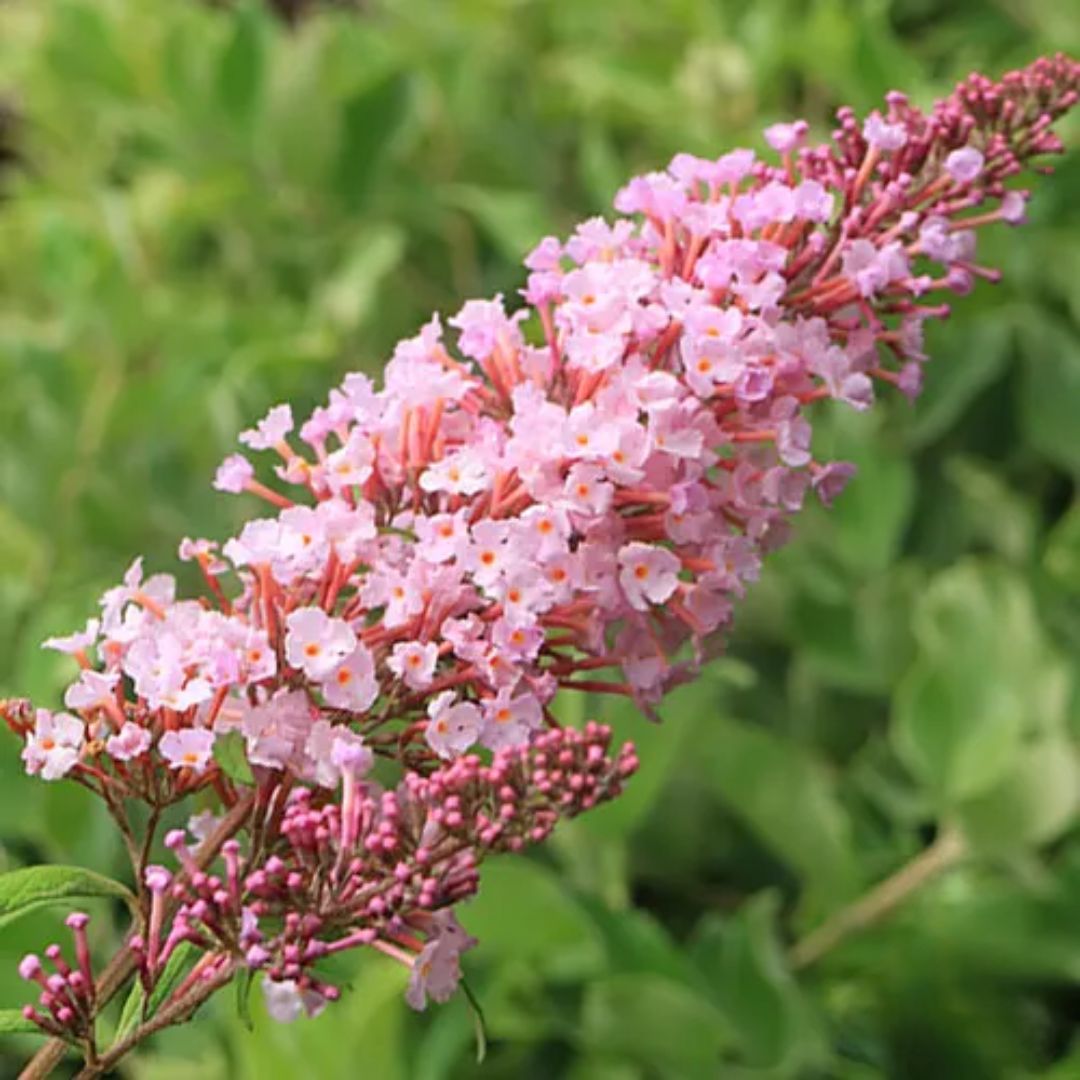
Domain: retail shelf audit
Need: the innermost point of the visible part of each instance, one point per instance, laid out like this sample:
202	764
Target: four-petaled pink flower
92	690
189	748
270	432
129	742
436	971
352	684
52	749
234	474
414	662
452	727
317	643
648	574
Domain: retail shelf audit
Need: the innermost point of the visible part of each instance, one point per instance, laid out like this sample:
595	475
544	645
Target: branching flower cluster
569	496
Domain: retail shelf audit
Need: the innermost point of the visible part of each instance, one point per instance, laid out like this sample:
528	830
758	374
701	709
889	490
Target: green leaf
784	795
655	1022
1050	390
1062	554
12	1022
240	71
513	220
137	1008
973	354
983	681
744	964
1033	804
520	893
231	755
244	982
369	121
24	890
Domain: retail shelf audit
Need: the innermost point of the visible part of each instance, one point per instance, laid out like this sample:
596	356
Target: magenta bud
157	878
77	920
175	838
29	966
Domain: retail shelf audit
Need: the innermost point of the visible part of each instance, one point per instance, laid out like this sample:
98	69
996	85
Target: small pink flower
414	662
786	137
129	742
451	728
271	430
508	721
436	971
286	1002
461	473
965	165
234	474
352	684
317	643
92	690
187	749
882	135
53	749
76	642
648	574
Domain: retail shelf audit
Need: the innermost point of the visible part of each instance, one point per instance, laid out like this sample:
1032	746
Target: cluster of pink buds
570	496
67	999
377	868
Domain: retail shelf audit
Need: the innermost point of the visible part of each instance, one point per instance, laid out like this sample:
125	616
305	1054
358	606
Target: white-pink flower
129	742
317	643
452	726
286	1002
648	574
189	748
414	662
271	430
508	721
352	684
436	971
92	689
52	749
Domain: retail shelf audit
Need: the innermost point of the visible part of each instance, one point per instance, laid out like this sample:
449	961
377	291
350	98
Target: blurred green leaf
785	796
745	967
1033	803
230	753
1050	389
369	121
12	1022
957	729
657	1022
240	71
21	891
138	1007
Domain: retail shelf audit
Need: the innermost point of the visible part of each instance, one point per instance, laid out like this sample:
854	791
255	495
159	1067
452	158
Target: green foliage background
210	212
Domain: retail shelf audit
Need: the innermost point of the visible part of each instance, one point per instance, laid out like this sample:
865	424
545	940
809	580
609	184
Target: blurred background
208	208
